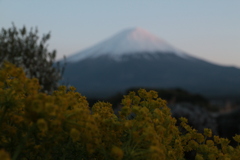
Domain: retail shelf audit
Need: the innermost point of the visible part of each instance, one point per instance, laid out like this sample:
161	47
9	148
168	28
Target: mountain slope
128	42
103	77
105	71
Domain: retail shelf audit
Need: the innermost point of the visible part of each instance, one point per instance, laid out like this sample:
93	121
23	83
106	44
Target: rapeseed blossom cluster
35	125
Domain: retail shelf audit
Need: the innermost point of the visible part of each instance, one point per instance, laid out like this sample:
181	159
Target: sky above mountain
205	29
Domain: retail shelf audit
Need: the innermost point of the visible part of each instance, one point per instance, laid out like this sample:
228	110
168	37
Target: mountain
136	58
132	41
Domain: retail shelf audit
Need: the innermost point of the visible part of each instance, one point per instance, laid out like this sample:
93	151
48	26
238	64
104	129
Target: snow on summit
129	41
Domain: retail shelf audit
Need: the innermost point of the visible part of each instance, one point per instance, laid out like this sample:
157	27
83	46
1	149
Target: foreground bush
26	49
34	125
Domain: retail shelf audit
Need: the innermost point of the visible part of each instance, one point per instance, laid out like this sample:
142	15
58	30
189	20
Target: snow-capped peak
129	41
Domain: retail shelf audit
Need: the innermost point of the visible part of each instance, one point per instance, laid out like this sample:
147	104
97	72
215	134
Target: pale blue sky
209	29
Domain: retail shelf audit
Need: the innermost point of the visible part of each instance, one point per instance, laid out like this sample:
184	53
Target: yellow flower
71	88
51	109
199	137
237	138
151	134
210	143
183	119
37	147
157	153
75	134
37	106
4	155
117	152
193	144
216	139
42	125
199	157
90	148
207	132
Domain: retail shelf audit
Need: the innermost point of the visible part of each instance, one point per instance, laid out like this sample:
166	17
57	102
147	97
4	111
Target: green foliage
25	49
35	125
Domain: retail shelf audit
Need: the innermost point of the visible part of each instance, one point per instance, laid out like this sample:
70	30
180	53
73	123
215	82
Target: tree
27	50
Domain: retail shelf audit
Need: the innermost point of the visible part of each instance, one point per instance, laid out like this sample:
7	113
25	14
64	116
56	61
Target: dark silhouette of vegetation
178	95
228	124
27	50
172	96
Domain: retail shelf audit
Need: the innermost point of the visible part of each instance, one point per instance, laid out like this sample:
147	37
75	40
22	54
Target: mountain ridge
104	75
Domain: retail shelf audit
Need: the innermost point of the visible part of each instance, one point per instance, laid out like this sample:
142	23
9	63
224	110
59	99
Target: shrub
38	126
27	50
